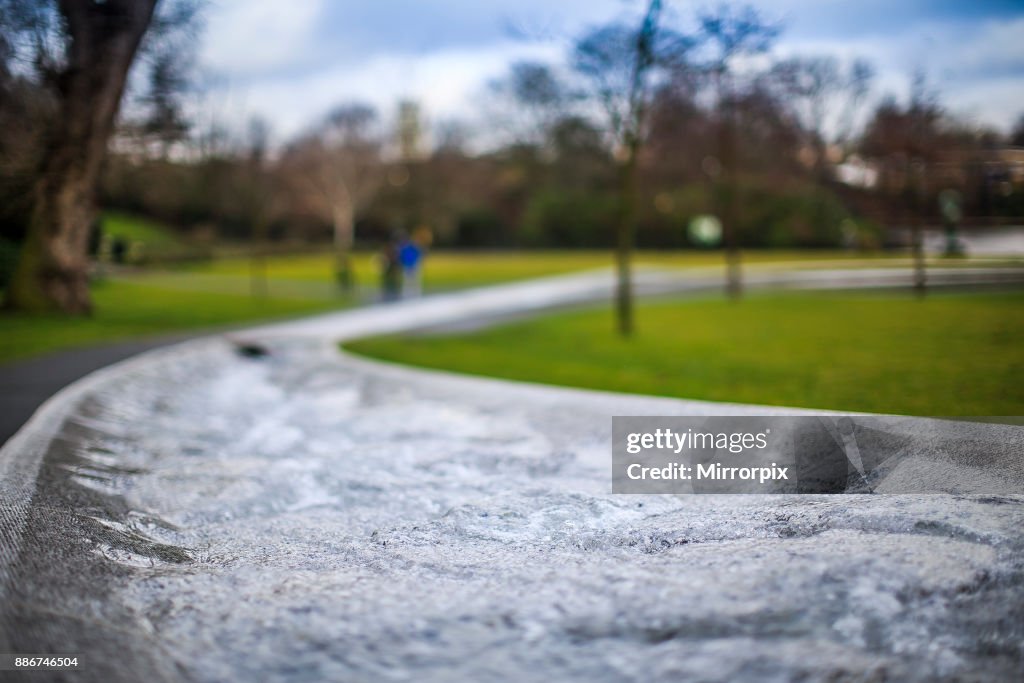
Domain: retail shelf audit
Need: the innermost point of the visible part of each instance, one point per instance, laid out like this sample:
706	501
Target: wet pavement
203	514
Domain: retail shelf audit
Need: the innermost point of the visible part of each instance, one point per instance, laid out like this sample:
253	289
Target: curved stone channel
200	514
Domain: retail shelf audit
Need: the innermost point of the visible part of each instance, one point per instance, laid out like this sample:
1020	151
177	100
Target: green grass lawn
126	309
135	229
949	354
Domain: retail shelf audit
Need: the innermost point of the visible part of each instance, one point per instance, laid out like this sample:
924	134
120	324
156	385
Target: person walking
390	270
410	255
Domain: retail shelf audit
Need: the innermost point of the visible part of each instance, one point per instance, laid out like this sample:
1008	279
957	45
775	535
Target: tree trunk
624	243
103	38
917	230
258	286
727	151
917	239
344	226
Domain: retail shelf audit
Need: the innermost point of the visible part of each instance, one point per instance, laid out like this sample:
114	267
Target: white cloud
995	102
272	58
446	83
997	46
976	70
254	37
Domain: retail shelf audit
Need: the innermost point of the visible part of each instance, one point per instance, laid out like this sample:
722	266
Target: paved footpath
197	513
25	385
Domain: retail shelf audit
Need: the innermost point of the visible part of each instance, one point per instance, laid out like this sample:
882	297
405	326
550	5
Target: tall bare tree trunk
917	228
633	141
258	286
727	147
103	39
344	227
624	242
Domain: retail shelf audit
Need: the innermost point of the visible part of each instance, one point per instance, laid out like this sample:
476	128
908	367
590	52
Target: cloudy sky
289	62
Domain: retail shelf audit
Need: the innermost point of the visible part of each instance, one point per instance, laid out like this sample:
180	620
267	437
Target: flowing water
308	516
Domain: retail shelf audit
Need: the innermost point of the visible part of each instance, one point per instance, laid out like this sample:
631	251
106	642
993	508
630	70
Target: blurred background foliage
543	175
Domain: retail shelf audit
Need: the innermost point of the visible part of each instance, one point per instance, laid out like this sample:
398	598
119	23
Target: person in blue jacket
410	255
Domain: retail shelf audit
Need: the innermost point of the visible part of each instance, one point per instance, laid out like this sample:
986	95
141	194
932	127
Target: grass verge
949	354
127	309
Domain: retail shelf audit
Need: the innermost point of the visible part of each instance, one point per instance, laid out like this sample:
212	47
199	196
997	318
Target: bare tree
622	65
1016	136
165	121
85	50
533	99
858	81
907	140
809	83
824	97
729	34
256	194
341	168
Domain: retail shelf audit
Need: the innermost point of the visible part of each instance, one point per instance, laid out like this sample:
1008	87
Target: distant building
857	173
1012	161
954	167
